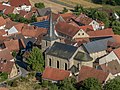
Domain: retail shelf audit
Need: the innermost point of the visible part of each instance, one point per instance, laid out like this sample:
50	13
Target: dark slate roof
97	46
44	11
42	24
80	56
62	50
26	40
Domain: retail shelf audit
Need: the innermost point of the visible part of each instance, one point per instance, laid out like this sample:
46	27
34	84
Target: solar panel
43	24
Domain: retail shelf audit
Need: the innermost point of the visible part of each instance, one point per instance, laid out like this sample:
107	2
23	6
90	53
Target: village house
111	62
89	72
54	74
7	63
63	56
83	20
2	23
97	48
101	33
112	67
69	31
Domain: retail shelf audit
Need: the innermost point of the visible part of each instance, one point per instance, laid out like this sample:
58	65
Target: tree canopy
39	5
35	60
113	84
91	84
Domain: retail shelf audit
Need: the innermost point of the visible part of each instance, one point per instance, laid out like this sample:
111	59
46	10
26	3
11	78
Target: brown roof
67	29
32	31
68	16
117	52
88	72
6	66
19	26
5	54
55	74
87	28
10	23
42	18
82	18
9	9
2	21
117	38
18	3
98	33
2	32
111	67
14	45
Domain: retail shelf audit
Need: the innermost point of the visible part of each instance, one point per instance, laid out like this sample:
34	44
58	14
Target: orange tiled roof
2	21
99	33
82	18
117	52
18	3
55	74
2	88
67	29
92	72
87	28
14	45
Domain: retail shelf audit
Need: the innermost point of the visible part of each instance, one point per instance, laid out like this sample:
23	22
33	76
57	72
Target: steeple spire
51	32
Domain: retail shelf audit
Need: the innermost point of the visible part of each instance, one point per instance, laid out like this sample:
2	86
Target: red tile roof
14	45
6	66
68	16
88	72
99	33
87	28
66	29
9	10
18	3
117	38
5	54
32	31
19	26
117	52
2	32
82	18
55	74
3	21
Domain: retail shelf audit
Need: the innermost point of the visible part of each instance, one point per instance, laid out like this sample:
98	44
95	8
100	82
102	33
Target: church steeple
51	32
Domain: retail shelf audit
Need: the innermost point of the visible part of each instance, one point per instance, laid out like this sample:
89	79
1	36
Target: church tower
51	37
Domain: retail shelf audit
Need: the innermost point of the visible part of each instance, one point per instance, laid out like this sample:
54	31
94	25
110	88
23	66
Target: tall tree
113	84
91	84
35	60
68	84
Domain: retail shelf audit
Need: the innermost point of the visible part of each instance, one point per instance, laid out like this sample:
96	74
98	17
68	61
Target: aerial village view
59	44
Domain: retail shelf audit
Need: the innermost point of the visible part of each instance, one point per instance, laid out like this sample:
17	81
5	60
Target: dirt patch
54	6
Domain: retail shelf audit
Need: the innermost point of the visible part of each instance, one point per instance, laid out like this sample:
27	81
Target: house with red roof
69	31
21	4
7	63
83	20
101	33
89	72
2	23
55	75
